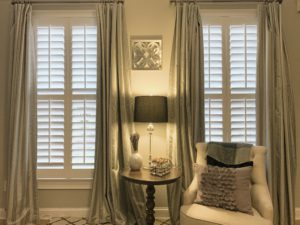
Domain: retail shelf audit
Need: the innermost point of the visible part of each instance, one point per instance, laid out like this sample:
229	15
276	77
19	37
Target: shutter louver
213	120
50	136
50	60
84	59
243	120
83	133
212	37
243	44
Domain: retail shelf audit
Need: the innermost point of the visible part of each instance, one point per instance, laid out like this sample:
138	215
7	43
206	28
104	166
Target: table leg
150	219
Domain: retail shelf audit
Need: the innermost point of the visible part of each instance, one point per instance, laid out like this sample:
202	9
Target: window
66	95
230	46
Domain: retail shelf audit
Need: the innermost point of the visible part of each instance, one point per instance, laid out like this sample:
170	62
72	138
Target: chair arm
190	194
261	200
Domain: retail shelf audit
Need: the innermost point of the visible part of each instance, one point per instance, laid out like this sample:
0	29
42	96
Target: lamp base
148	167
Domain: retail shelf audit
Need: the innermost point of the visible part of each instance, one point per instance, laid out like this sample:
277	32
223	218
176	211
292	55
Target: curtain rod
64	1
225	1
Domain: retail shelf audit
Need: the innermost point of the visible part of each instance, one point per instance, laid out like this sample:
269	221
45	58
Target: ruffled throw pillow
227	188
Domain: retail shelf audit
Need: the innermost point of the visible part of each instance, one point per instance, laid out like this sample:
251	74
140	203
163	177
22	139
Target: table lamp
150	109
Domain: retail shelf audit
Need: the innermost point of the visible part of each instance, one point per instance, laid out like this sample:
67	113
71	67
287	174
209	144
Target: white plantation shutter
50	137
212	36
213	120
84	59
243	45
243	120
84	82
230	47
243	48
50	60
50	91
83	133
66	96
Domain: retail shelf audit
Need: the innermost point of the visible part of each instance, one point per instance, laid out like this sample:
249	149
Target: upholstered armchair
196	214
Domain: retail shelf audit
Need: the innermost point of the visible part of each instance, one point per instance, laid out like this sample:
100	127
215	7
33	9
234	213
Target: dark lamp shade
151	109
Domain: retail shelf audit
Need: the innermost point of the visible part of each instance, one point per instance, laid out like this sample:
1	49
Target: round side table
144	176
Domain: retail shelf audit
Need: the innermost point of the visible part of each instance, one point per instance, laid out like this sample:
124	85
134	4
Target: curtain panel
21	201
186	99
114	124
275	112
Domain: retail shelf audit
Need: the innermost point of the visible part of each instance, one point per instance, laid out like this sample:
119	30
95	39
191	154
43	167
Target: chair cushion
203	215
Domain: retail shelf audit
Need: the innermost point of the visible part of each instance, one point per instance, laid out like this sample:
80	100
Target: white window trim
69	184
53	179
44	15
250	13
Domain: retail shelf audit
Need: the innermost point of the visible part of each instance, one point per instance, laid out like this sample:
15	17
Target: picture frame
146	52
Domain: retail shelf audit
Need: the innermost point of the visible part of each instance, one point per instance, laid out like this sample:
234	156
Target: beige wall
144	17
155	17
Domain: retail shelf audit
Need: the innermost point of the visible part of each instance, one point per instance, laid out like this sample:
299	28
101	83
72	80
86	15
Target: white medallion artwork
146	53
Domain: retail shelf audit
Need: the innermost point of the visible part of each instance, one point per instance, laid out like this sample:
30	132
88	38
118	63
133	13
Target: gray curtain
186	99
21	202
275	112
113	200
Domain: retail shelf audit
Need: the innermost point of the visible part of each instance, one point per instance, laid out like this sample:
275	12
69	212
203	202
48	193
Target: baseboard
48	213
297	214
162	212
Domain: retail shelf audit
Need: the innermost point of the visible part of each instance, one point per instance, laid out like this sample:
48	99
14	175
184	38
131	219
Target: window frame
66	178
225	18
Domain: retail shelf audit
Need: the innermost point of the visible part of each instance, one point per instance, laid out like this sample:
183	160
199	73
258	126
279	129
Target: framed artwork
146	52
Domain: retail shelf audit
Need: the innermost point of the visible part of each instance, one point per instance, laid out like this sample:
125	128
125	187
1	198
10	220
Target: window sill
63	184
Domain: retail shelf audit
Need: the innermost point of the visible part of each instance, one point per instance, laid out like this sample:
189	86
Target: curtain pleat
21	201
275	112
186	99
114	124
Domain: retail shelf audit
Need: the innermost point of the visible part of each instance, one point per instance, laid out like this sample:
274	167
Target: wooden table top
144	176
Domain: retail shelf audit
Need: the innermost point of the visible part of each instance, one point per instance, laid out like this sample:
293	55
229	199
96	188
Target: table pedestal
150	204
144	177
